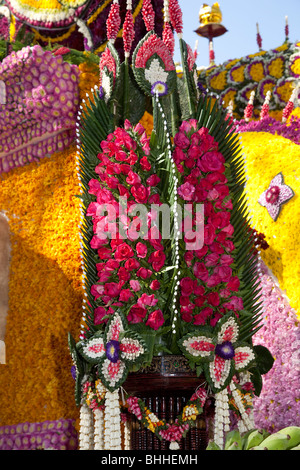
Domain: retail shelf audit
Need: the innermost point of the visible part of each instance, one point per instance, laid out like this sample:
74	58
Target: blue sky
240	18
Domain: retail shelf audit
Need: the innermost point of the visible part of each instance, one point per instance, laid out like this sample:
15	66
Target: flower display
277	194
45	264
260	148
222	354
210	287
44	91
278	404
113	351
274	70
163	430
124	171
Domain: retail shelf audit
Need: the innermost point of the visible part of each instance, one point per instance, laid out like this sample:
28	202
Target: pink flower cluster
174	432
278	405
151	46
210	287
148	15
130	251
113	22
134	407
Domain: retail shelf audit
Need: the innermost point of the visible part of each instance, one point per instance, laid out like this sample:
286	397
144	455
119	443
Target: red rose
213	299
123	251
188	257
199	300
153	180
123	274
187	286
200	271
136	314
97	291
141	250
181	140
131	264
186	191
224	272
209	234
125	295
211	259
213	280
157	259
201	317
147	300
99	314
144	273
212	161
112	289
233	284
226	259
104	253
155	319
146	166
186	316
133	178
155	285
140	193
135	285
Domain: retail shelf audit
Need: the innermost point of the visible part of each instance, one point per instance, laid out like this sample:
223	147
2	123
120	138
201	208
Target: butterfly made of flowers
113	352
219	352
277	194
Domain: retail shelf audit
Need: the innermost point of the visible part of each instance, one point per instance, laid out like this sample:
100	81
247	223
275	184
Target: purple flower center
272	194
225	350
112	350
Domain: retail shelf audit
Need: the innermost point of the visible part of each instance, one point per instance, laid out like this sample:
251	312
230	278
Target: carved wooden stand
165	387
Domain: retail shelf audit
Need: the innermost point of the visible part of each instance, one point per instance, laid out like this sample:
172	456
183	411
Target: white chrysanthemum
155	73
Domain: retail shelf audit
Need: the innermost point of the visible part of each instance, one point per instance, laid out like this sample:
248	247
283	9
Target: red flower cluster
129	249
210	289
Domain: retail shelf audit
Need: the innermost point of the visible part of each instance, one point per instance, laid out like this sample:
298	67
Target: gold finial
209	15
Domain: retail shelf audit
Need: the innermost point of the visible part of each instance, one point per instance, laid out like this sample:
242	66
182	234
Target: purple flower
225	350
159	88
112	350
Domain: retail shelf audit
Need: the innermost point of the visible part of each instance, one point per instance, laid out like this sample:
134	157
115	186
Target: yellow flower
276	67
256	71
238	74
218	81
45	289
266	156
295	67
190	412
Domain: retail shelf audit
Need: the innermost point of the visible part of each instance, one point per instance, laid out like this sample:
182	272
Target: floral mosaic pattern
274	70
40	99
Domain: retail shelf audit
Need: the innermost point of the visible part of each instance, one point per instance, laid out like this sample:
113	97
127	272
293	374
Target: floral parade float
149	298
37	193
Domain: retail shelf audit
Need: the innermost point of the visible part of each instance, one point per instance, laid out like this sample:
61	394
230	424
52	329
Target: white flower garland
222	419
99	429
112	433
86	433
176	216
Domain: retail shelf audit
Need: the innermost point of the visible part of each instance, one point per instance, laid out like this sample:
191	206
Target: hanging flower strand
113	22
128	29
168	36
148	15
258	37
290	105
176	17
249	108
265	107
